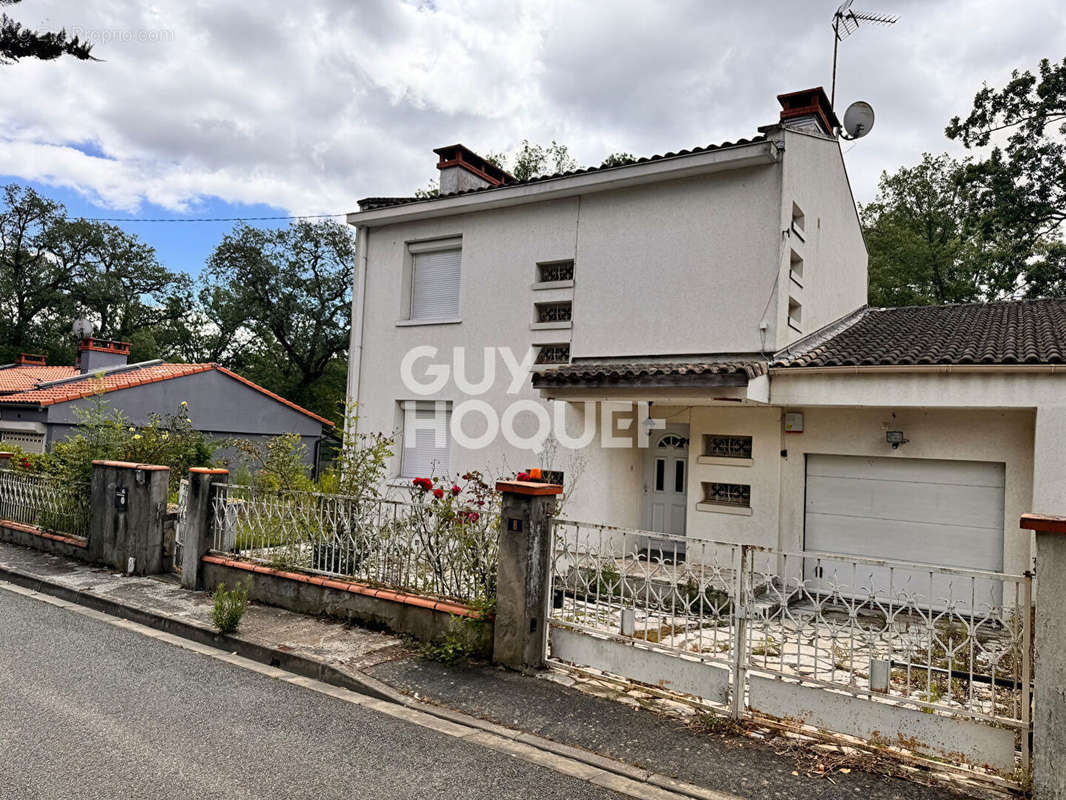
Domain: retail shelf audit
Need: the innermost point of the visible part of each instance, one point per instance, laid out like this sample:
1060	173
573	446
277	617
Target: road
88	710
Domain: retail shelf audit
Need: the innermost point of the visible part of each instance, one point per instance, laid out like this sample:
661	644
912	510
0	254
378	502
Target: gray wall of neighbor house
218	405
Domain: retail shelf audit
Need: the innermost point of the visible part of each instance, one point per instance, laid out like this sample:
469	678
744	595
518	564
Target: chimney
31	360
808	111
97	354
462	169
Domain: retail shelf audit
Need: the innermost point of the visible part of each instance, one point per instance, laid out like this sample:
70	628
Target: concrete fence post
524	569
196	527
129	502
1049	640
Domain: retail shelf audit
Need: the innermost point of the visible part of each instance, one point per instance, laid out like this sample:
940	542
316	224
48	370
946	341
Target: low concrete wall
32	536
424	618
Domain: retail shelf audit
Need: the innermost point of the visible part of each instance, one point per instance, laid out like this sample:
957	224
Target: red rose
438	493
472	516
456	489
425	484
522	476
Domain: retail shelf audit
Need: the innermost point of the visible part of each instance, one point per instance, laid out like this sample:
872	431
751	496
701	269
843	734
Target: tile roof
637	373
25	376
21	391
372	203
1012	332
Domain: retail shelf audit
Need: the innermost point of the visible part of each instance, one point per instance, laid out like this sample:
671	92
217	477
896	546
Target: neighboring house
38	402
725	285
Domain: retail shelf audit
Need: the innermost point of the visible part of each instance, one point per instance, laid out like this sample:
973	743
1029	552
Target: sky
219	108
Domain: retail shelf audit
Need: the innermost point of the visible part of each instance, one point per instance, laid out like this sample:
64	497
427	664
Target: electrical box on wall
794	422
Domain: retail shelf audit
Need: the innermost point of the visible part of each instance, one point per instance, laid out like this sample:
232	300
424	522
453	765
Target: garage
948	513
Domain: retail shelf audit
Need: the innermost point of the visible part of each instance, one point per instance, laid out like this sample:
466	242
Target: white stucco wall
834	281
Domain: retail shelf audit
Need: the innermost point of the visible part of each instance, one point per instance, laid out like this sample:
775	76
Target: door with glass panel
666	487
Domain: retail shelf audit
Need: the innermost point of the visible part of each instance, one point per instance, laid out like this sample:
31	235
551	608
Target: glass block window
553	354
723	446
727	494
555	271
554	312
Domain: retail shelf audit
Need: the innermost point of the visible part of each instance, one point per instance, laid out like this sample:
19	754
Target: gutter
922	368
355	344
682	166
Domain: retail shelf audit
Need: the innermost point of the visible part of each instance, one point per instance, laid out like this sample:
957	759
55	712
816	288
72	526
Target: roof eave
680	166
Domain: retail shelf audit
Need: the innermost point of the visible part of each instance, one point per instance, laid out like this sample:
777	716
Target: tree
618	160
919	253
35	284
1017	194
283	296
535	161
17	42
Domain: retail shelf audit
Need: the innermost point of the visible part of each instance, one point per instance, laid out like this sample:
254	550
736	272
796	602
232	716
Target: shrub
229	607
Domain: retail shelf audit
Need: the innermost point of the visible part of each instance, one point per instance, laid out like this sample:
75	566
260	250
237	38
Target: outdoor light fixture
895	438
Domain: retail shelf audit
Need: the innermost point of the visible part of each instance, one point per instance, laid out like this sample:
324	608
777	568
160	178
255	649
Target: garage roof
1003	333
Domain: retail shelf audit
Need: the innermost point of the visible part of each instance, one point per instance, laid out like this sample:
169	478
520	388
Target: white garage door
948	513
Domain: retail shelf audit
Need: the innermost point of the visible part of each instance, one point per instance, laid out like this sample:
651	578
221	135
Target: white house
706	309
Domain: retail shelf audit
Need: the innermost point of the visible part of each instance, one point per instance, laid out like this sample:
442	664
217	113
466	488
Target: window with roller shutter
435	272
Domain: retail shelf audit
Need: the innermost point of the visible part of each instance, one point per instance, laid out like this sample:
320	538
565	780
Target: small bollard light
880	675
629	621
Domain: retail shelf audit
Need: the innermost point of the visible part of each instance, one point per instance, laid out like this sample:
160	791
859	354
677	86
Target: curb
359	683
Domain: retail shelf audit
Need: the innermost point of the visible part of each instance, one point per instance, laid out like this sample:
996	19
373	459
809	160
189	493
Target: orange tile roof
25	376
111	382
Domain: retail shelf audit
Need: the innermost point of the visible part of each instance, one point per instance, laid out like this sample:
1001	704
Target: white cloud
309	106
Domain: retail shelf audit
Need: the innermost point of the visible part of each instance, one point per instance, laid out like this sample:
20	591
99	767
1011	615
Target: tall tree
286	296
919	253
533	160
1017	192
17	42
35	283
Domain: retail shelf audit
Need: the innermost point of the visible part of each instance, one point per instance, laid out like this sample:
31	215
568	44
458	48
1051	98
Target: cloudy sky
225	108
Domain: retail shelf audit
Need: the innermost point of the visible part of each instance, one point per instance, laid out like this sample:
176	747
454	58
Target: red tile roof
19	382
26	376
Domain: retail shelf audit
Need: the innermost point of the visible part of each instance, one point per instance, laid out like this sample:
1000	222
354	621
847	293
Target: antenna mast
845	23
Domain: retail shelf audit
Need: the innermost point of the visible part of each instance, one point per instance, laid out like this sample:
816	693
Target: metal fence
950	642
46	502
436	548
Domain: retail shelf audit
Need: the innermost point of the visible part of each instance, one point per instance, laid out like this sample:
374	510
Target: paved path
90	710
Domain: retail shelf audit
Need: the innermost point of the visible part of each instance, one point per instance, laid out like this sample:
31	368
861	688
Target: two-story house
700	314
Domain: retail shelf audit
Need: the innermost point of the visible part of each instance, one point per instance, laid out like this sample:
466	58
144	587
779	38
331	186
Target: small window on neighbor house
798	221
553	354
435	270
427	451
727	494
721	446
796	267
552	271
554	312
795	313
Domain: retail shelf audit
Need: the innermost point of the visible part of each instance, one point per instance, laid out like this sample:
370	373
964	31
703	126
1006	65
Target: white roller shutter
425	454
435	284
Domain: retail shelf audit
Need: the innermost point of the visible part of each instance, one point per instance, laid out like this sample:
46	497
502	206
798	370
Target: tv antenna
845	23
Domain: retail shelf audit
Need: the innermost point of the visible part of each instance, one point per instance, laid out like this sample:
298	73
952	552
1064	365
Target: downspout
355	346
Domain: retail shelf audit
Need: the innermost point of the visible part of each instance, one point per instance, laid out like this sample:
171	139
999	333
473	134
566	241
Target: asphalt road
88	710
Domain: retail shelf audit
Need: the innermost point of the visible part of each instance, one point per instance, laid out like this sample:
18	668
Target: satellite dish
858	119
82	328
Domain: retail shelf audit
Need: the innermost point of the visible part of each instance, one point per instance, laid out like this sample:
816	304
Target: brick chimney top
31	359
95	354
462	169
808	109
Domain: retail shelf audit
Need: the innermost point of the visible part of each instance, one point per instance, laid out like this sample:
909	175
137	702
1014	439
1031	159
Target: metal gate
931	659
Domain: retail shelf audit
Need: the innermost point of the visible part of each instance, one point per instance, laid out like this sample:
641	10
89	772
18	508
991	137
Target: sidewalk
585	717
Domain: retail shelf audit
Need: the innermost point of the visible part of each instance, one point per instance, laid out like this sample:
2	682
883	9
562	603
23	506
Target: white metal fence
435	548
46	502
951	643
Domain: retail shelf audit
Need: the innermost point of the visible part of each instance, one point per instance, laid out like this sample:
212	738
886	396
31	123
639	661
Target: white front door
666	481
